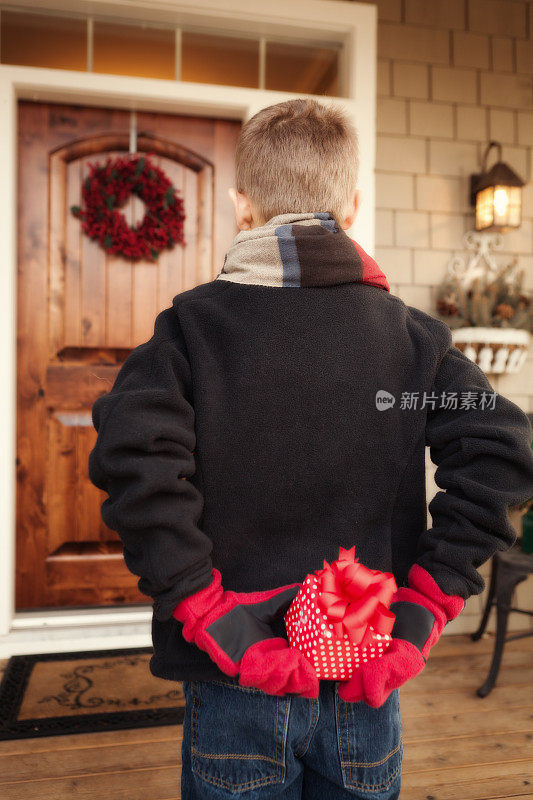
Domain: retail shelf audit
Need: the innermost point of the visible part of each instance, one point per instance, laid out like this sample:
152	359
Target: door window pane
219	59
42	40
301	68
134	50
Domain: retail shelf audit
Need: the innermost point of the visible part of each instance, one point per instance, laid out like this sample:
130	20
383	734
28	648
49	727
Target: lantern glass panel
498	208
485	208
501	204
515	207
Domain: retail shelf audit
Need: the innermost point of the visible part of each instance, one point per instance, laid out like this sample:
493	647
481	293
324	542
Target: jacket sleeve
144	458
484	467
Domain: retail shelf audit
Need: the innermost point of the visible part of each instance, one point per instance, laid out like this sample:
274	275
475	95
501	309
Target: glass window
43	40
302	68
207	58
134	50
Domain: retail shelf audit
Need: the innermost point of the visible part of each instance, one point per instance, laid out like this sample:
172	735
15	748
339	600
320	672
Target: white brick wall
452	74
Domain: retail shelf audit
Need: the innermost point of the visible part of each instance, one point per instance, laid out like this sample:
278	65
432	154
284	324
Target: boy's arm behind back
484	467
143	458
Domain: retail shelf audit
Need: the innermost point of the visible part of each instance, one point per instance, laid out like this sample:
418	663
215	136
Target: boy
281	411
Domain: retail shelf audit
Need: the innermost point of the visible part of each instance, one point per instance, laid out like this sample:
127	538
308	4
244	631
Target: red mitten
422	610
276	668
234	629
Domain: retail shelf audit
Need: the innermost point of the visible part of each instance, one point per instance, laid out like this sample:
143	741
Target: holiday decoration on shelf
497	300
340	618
486	306
106	189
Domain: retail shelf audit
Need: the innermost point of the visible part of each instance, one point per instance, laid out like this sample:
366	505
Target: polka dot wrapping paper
340	618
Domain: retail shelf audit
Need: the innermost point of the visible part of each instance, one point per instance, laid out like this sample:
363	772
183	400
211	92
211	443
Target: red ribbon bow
354	597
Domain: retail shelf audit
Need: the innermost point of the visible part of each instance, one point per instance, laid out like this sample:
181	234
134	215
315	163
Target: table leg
488	605
506	584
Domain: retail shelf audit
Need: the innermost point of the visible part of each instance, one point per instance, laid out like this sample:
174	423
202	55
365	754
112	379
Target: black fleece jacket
246	435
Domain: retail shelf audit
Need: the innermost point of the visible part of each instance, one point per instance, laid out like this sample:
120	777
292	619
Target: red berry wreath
107	188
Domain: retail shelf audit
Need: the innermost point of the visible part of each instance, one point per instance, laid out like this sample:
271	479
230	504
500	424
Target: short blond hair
298	156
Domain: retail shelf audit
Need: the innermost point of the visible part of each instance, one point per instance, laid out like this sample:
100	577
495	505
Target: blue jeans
240	742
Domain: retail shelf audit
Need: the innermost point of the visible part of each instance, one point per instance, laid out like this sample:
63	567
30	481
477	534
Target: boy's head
295	157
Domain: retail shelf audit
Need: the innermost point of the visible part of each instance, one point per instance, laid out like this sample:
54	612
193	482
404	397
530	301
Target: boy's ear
243	210
352	211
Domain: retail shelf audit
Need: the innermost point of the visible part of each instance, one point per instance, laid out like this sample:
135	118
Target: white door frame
353	23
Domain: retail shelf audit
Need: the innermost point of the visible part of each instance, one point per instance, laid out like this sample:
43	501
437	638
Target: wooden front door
81	312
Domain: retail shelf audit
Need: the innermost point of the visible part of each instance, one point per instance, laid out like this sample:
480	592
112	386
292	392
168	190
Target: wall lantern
497	195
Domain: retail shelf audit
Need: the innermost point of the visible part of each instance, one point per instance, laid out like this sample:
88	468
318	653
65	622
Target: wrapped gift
340	618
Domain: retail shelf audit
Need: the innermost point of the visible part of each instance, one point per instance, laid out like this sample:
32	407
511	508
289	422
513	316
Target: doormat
104	690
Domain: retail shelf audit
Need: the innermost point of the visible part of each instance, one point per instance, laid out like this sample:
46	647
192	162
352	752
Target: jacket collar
299	250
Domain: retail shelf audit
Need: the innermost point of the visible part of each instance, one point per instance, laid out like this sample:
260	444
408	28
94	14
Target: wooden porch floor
457	745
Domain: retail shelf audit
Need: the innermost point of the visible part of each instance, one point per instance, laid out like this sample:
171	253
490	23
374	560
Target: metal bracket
481	262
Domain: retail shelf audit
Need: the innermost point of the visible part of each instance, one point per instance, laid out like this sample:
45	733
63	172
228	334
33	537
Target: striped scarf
299	250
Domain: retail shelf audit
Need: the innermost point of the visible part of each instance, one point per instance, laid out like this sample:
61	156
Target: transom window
100	45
